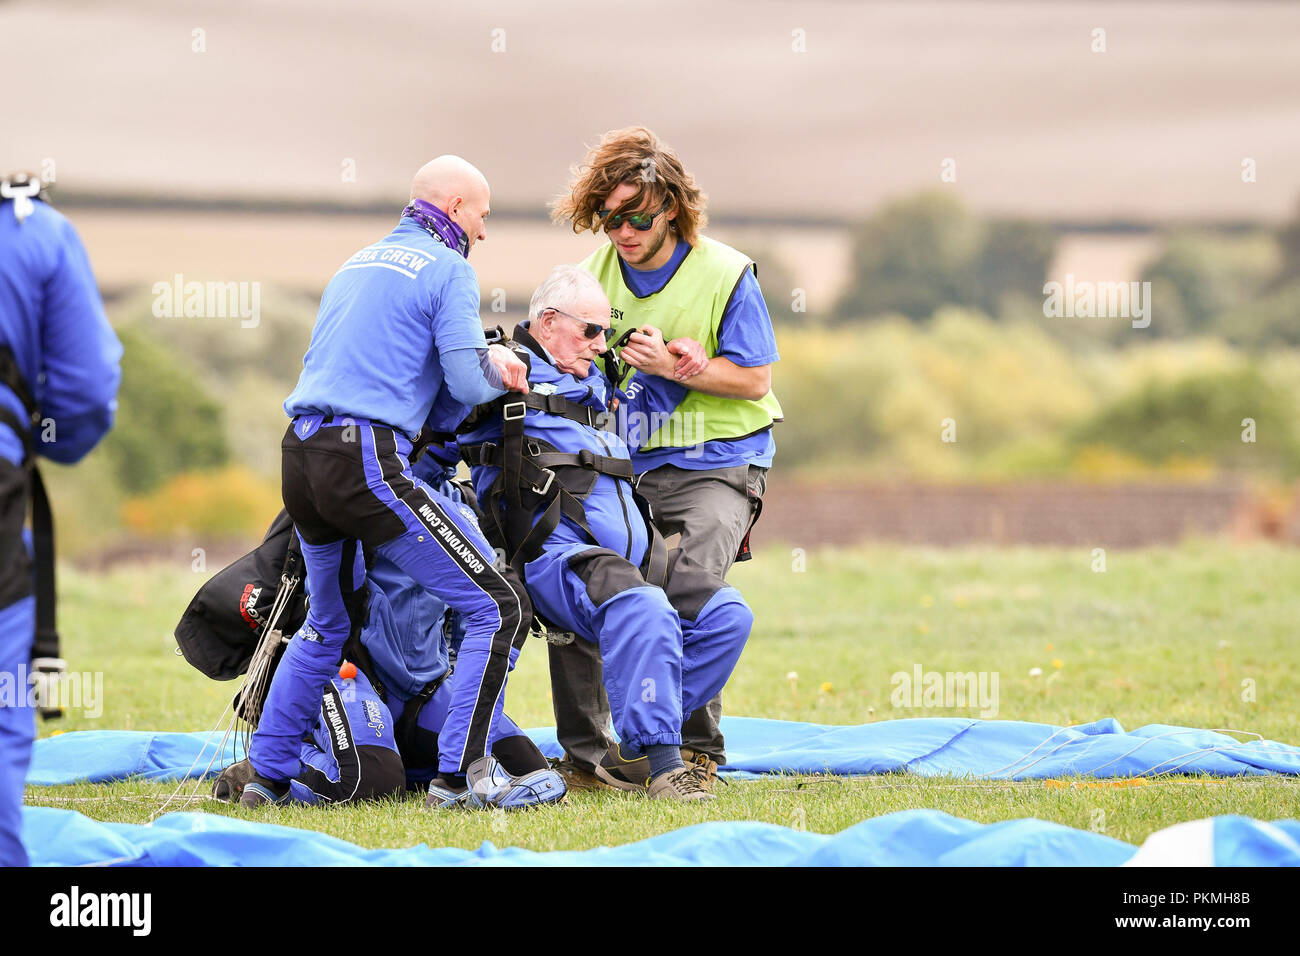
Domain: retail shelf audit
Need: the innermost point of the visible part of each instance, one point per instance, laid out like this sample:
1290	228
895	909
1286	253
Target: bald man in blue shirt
398	348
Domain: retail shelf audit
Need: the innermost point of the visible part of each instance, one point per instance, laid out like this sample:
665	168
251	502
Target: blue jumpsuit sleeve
642	407
80	358
470	377
462	347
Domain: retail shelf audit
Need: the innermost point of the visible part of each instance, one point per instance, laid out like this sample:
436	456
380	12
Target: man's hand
647	352
693	361
514	373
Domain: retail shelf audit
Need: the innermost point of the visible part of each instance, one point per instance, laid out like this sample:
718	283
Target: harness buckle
546	485
506	411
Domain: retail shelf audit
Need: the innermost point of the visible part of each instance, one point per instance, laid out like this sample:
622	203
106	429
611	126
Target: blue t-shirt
745	337
384	319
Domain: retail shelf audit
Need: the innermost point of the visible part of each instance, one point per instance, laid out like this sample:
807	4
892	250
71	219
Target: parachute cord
255	681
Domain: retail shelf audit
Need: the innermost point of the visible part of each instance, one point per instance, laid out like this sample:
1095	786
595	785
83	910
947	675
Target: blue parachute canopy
929	746
908	838
988	749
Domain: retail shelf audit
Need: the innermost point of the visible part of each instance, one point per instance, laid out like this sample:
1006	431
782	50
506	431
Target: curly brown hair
636	156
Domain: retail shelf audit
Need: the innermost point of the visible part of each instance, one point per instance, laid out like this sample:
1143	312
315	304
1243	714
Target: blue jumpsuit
386	359
53	322
666	651
351	753
412	642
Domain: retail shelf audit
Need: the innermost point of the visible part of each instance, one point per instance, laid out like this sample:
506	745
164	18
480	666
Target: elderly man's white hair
563	289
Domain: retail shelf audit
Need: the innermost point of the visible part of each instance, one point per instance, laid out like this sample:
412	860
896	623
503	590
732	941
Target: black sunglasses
640	221
590	329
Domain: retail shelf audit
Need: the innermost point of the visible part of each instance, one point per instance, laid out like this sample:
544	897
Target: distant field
132	250
1165	635
818	107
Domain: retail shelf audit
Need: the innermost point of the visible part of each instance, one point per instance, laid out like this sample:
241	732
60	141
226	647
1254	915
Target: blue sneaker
491	786
442	796
260	792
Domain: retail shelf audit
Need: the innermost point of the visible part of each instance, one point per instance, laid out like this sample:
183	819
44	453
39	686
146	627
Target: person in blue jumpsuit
59	373
371	742
667	647
377	739
397	347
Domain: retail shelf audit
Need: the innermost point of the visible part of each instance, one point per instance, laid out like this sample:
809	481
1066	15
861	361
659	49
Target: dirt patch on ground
814	514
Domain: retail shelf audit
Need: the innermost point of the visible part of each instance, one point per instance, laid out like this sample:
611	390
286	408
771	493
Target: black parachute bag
258	596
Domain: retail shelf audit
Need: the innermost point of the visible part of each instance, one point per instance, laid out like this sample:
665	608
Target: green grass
1162	636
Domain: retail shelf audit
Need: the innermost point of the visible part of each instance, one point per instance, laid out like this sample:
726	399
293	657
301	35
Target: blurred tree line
194	451
942	317
167	422
922	253
875	399
941	320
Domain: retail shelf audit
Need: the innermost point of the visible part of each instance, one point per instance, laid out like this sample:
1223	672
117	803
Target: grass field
1202	635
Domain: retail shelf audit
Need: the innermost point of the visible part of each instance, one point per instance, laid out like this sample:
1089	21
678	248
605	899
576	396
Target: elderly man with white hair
553	472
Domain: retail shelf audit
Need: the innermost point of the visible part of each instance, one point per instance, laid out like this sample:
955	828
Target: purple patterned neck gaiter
439	225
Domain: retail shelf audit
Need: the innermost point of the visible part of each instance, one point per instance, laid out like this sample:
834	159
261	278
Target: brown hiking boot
685	785
577	777
623	774
634	775
230	782
700	758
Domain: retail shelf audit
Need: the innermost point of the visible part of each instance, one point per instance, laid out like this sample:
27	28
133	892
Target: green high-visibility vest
691	305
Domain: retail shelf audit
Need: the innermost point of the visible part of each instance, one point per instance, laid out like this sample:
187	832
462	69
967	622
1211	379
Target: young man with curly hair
704	470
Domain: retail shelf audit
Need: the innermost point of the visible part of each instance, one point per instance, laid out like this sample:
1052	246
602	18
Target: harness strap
616	370
357	604
530	468
409	720
45	646
11	376
561	503
654	566
18	428
603	464
491	455
527	466
554	405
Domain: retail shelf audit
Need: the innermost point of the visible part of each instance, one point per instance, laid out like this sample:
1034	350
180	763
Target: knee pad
690	588
605	574
490	785
382	773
